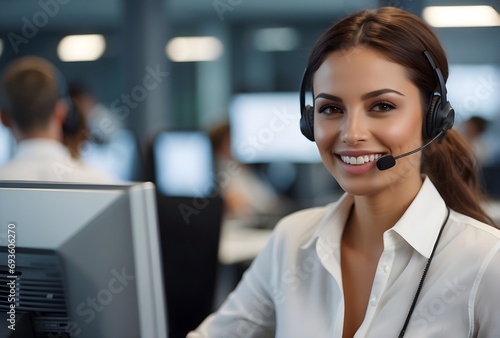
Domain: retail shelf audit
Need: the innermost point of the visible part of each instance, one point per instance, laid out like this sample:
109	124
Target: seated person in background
75	140
474	131
100	122
244	193
35	110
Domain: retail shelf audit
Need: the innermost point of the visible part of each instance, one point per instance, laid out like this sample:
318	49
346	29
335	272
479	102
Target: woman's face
366	107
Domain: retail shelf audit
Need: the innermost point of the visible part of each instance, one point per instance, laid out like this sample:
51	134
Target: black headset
73	120
439	118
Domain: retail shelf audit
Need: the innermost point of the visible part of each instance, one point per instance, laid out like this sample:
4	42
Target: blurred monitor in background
473	90
265	132
7	144
265	128
184	165
119	157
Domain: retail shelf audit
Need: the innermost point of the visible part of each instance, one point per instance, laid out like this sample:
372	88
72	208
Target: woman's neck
372	215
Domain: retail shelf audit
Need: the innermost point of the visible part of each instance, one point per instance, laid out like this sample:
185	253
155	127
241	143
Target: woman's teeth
360	159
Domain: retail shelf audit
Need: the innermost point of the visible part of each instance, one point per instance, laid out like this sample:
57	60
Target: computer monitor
472	90
7	144
119	157
265	129
184	163
85	259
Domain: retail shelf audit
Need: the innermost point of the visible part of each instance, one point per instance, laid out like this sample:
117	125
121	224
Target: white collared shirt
294	287
49	160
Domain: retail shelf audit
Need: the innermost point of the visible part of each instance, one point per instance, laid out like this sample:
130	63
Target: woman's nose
354	129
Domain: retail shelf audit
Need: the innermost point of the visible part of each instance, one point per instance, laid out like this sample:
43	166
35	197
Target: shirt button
386	268
373	301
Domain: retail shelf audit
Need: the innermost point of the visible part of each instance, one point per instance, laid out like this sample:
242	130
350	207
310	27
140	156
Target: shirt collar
419	225
332	225
42	148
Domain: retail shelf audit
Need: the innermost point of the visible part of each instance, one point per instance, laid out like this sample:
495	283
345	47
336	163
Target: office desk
240	242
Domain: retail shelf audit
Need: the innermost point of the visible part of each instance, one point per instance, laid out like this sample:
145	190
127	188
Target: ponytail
452	167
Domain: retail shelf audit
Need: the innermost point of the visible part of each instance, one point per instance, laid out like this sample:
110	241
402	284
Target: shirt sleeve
487	302
249	310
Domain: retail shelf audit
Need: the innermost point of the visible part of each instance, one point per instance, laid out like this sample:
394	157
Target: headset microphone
389	161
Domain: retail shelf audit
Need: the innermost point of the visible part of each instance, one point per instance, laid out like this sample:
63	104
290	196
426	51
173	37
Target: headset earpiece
430	116
307	122
438	118
72	122
440	115
306	112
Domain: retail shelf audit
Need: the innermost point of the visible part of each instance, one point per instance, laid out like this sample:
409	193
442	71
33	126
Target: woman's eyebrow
329	97
376	93
366	96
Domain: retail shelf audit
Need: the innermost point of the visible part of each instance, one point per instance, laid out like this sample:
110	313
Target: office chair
190	252
490	180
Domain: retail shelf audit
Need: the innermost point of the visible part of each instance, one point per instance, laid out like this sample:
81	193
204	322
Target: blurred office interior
138	68
145	66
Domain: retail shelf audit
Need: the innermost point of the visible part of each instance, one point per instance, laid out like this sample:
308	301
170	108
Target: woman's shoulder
467	221
485	235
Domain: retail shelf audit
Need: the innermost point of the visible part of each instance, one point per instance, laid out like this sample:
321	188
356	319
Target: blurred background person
36	109
474	131
484	142
245	194
101	123
75	140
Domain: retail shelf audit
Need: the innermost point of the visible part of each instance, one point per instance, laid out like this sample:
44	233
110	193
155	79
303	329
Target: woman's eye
383	107
330	110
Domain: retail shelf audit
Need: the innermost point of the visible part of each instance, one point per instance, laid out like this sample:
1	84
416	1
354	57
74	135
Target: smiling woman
362	266
366	106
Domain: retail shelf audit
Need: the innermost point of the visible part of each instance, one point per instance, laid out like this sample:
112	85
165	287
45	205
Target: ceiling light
276	39
88	47
194	48
461	16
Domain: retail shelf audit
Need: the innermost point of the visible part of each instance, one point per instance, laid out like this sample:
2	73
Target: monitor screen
265	128
84	259
7	144
119	157
472	90
184	163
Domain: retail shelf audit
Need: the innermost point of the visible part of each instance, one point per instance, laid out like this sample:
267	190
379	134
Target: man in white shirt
35	110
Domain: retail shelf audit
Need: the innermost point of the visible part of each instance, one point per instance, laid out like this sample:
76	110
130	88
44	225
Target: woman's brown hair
402	38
